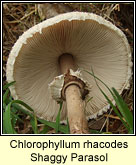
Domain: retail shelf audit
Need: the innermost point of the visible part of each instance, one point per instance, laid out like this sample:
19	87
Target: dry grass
18	17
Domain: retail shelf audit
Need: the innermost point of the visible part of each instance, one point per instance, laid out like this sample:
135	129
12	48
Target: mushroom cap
93	42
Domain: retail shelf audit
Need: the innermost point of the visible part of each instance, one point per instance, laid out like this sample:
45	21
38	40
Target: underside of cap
92	41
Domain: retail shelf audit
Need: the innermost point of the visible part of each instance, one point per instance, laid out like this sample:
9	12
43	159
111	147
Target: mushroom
48	62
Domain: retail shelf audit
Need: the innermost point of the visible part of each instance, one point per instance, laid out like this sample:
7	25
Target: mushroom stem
66	62
75	110
76	118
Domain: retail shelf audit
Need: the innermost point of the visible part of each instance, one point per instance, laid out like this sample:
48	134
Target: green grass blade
109	101
50	124
45	130
16	117
115	109
4	106
64	129
33	117
124	109
58	118
68	128
4	130
19	108
94	131
35	125
7	120
130	131
33	122
92	74
5	96
22	103
8	117
10	98
89	99
7	85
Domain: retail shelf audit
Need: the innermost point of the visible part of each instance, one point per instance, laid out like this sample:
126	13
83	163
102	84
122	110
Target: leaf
4	106
95	131
5	96
45	130
10	118
19	108
16	117
50	124
23	104
7	120
33	122
68	129
58	118
7	116
7	85
124	109
109	101
130	131
62	128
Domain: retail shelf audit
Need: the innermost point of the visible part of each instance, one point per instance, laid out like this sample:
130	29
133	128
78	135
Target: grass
12	109
122	110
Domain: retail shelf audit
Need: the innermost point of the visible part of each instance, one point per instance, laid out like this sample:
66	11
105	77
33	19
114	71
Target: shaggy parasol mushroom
51	53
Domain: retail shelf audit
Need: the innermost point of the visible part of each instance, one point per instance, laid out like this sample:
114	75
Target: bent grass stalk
123	110
10	107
